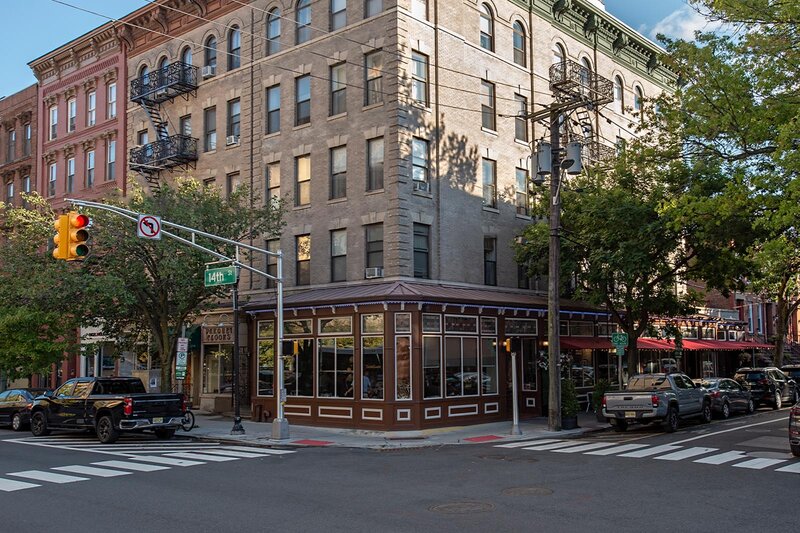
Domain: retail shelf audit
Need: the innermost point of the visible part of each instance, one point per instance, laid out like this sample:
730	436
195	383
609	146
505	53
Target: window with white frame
372	359
519	42
431	366
71	174
489	172
72	114
619	95
402	367
338	173
488	119
53	122
419	78
419	9
461	366
111	160
302	170
111	100
89	169
521	120
373	72
419	164
638	99
51	182
91	108
266	358
338	77
487	28
522	201
335	375
298	375
489	365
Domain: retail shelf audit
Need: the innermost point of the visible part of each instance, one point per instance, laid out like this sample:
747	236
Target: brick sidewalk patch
310	442
485	438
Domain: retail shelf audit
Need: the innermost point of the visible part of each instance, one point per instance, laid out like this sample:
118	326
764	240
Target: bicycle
188	420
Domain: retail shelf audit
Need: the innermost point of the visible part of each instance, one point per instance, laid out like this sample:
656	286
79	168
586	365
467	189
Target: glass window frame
338	255
488	106
272	98
375	168
398	385
373	78
303	260
302	100
302	193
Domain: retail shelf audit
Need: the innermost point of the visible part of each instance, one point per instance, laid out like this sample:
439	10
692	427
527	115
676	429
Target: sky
32	28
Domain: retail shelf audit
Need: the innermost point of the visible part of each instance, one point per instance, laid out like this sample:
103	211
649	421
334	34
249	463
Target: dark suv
793	371
768	385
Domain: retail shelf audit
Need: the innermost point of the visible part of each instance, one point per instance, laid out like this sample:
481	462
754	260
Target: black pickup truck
107	406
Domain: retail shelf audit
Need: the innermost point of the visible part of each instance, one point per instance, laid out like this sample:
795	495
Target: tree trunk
780	329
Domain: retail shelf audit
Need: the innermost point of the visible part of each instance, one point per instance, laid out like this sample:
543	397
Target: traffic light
512	344
71	237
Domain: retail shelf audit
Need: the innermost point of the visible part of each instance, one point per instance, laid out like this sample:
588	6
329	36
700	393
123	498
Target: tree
39	296
144	286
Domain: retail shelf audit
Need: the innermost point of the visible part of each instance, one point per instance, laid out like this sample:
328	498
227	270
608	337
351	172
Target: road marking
166	460
585	447
782	420
554	445
202	457
233	453
10	485
138	467
264	451
520	444
50	477
685	454
793	468
617	449
722	458
647	452
758	464
90	471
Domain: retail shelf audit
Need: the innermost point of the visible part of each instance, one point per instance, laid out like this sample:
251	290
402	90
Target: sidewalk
218	427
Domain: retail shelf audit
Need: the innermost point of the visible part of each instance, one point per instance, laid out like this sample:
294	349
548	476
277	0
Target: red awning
654	344
584	343
717	345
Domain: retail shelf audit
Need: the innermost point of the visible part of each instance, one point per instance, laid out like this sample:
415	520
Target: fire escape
167	152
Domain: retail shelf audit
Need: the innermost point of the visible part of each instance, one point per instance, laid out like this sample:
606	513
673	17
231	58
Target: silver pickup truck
652	398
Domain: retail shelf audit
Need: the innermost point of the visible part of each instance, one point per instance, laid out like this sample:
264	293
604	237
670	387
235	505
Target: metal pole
237	429
515	421
553	307
280	426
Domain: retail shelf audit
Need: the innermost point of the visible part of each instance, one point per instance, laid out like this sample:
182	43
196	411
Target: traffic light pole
281	423
553	279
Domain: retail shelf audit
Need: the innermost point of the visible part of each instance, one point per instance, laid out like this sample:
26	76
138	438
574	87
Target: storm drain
462	508
527	491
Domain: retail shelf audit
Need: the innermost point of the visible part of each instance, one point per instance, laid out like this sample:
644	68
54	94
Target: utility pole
573	87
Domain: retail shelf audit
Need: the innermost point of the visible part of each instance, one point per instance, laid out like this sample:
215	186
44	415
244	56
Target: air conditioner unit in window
231	139
209	71
421	186
375	272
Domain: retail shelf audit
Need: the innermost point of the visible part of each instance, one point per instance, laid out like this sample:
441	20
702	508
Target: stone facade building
18	127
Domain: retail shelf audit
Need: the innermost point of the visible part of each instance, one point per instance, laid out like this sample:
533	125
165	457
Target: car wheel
778	401
164	434
795	450
106	432
726	410
751	407
39	425
16	422
620	426
671	421
705	415
795	396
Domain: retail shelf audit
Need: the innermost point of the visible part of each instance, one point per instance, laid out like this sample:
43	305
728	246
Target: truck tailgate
160	405
629	402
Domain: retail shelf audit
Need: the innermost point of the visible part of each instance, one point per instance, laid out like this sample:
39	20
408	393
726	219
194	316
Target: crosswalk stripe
172	461
265	451
90	471
202	457
520	444
758	464
647	452
554	445
40	475
617	449
685	454
10	485
722	458
585	447
234	453
127	465
793	468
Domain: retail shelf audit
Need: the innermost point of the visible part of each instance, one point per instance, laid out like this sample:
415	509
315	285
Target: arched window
186	56
619	99
487	28
303	19
234	48
144	74
559	55
519	44
638	100
163	63
211	52
274	32
586	72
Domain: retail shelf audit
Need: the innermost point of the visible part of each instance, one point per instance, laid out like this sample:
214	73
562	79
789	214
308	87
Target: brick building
18	127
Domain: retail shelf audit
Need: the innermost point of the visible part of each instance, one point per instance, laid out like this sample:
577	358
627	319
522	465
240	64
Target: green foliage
569	399
601	386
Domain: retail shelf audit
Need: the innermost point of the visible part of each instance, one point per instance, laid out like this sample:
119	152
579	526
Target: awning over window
655	344
583	343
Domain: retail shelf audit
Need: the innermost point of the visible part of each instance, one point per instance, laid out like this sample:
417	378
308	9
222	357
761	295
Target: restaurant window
218	369
373	72
489	261
402	368
266	358
298	372
530	363
303	326
488	365
303	267
432	367
302	169
338	255
422	250
372	370
489	171
338	173
375	164
581	328
461	366
332	326
335	375
338	77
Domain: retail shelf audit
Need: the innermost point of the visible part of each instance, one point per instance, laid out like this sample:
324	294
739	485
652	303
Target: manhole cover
509	458
462	508
527	491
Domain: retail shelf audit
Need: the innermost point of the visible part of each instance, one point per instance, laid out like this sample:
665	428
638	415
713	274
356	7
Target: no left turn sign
149	227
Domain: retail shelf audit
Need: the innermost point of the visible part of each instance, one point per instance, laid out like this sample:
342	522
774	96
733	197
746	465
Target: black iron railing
164	154
164	84
570	79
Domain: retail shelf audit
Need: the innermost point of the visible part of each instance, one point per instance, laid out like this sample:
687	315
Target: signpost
148	227
620	342
220	276
181	358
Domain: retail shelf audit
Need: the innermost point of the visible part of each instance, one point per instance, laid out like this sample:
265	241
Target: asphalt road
528	486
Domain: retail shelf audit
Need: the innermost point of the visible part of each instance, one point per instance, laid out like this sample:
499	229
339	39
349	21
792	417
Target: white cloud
682	24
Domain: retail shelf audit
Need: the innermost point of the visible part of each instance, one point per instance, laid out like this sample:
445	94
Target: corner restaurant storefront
406	355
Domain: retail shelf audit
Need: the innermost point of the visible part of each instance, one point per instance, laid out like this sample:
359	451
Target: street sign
149	227
181	358
220	276
620	350
619	339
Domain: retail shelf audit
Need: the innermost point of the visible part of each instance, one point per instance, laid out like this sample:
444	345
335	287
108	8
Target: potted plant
601	386
569	405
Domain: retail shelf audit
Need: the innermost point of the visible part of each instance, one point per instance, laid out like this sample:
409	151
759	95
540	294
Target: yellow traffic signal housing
77	247
61	238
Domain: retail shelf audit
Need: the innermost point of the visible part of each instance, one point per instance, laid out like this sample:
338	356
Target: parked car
651	398
794	430
793	371
15	405
727	396
108	406
768	385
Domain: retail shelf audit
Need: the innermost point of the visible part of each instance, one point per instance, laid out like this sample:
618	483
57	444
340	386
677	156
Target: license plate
630	414
158	420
